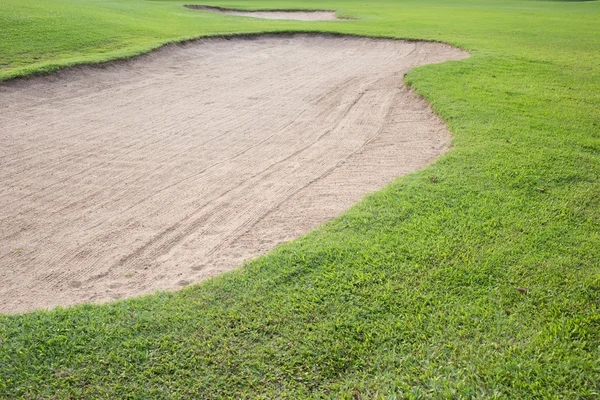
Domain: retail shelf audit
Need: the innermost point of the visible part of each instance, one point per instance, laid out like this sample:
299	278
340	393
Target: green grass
411	293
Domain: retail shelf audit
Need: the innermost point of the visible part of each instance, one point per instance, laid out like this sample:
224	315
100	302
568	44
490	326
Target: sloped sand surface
154	173
320	15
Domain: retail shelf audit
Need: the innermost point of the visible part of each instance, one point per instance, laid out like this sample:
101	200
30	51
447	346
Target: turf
410	294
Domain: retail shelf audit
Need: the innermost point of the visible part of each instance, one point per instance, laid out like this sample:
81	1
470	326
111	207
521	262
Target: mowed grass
410	294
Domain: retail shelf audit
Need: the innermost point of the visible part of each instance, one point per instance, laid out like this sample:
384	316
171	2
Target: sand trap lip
296	15
149	174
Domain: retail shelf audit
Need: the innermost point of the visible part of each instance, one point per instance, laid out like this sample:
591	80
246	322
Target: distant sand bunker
297	15
164	170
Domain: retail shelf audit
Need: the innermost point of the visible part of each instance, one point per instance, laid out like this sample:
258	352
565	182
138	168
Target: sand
151	174
299	15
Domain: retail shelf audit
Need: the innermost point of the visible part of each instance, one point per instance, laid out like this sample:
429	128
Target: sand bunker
173	167
297	15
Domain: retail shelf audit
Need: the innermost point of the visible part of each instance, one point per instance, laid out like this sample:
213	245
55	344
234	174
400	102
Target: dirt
296	15
151	174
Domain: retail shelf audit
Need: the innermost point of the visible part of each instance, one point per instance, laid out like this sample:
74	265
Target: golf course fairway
475	277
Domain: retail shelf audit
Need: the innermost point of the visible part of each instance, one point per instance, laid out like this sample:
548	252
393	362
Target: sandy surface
280	14
173	167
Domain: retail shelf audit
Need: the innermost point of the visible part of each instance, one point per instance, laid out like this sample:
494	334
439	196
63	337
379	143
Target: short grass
411	293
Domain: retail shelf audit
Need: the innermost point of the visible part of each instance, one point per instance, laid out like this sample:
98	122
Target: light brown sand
322	15
176	166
